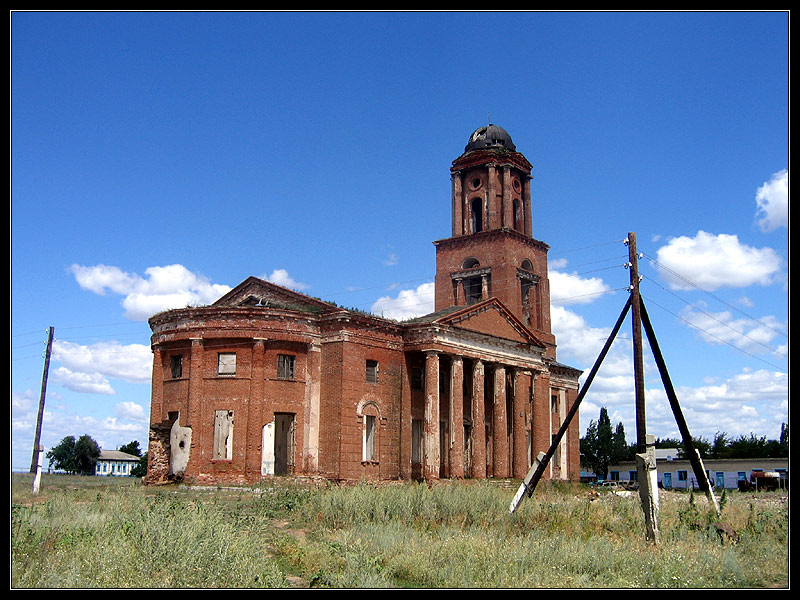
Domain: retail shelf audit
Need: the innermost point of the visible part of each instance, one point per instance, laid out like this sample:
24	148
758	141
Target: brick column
493	218
499	428
194	415
478	423
431	428
508	205
526	203
406	427
254	413
540	425
458	205
195	385
312	411
521	379
157	387
457	417
459	293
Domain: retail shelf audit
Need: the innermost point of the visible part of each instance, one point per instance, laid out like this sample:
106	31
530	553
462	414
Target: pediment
490	317
258	293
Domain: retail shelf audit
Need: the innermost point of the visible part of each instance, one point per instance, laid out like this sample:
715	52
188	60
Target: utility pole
36	463
646	469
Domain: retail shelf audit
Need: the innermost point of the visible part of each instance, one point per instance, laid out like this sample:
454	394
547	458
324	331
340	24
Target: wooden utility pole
638	362
35	462
647	473
645	444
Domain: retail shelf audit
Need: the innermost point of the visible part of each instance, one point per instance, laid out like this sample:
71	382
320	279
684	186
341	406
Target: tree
140	470
620	450
62	456
131	448
75	456
720	446
597	448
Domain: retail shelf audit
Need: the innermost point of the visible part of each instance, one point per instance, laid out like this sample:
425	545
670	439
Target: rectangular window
613	475
226	363
176	366
372	371
416	441
683	475
223	435
369	438
554	403
286	366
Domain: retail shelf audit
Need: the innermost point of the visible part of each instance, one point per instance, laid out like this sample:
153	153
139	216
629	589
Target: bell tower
492	253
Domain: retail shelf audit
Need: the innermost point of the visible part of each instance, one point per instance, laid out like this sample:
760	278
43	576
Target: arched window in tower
473	284
526	280
476	215
470	263
517	215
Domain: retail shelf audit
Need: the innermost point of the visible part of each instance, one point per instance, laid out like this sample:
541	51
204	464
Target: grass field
102	532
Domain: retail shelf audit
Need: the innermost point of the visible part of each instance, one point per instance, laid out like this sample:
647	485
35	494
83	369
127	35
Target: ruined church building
267	381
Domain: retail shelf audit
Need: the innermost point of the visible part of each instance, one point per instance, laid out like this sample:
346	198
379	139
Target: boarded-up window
369	438
223	434
226	363
286	366
176	366
416	441
372	371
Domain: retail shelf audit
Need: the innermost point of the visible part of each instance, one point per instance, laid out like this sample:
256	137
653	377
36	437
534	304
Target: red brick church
267	381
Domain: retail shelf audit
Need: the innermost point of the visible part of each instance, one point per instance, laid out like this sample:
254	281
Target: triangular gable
260	293
490	317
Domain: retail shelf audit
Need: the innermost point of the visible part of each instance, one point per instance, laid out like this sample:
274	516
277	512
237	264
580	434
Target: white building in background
677	474
114	462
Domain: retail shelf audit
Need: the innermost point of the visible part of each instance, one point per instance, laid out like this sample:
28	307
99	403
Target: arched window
476	215
370	415
470	263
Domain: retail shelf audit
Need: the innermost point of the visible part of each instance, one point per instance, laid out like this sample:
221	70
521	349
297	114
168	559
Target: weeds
453	535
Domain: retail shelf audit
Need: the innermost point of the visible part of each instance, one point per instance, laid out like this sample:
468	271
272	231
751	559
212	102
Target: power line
708	333
720	321
714	296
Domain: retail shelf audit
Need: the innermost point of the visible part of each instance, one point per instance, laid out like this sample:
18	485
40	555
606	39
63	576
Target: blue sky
159	159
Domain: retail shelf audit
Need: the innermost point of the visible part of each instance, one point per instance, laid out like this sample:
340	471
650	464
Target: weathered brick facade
267	381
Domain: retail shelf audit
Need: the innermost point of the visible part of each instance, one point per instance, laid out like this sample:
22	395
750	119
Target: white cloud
723	328
282	277
750	402
407	304
772	202
713	261
131	411
162	288
86	383
88	369
566	288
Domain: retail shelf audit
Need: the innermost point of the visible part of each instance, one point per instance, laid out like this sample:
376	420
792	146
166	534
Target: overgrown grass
98	532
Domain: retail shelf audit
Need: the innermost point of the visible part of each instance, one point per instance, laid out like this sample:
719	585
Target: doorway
284	443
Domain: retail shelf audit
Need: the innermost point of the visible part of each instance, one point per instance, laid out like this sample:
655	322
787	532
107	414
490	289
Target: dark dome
490	136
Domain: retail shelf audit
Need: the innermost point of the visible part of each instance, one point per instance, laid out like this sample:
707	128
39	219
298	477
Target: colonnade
487	428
